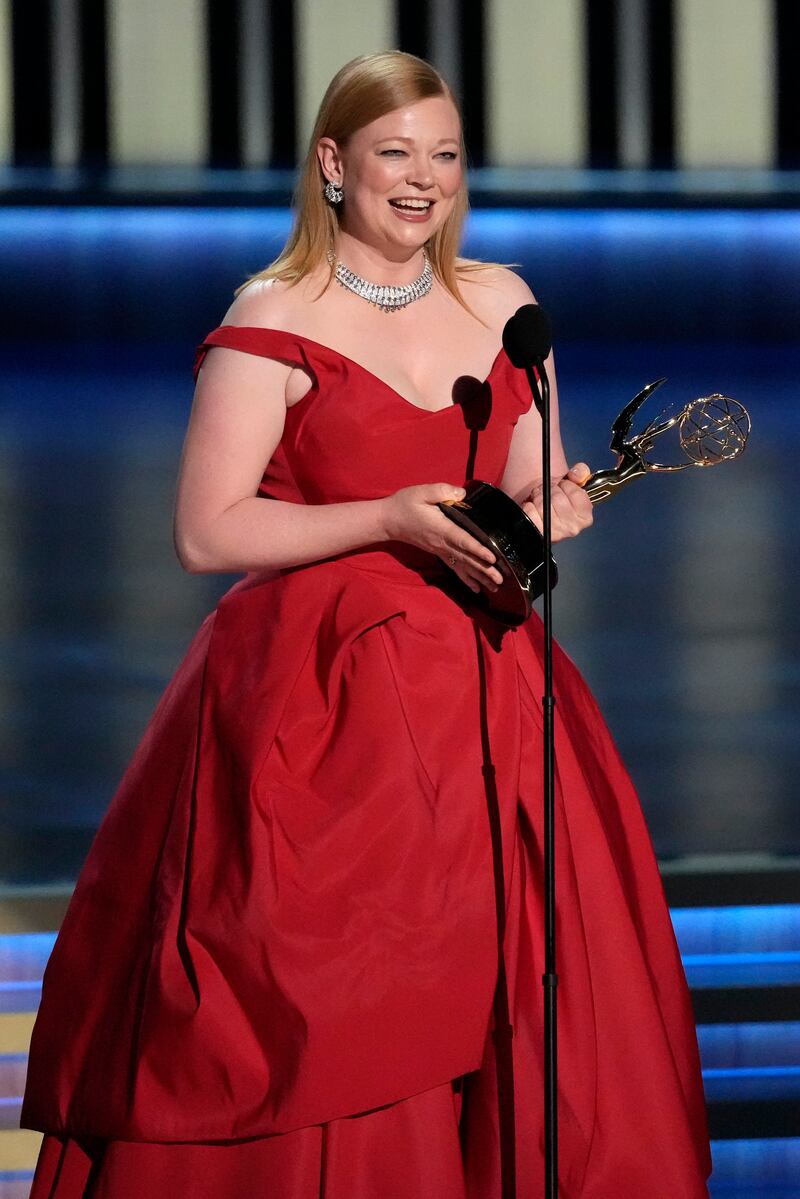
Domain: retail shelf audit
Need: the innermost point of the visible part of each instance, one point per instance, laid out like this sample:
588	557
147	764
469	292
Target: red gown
279	974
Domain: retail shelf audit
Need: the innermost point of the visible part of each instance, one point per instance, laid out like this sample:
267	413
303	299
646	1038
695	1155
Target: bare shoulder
270	304
493	292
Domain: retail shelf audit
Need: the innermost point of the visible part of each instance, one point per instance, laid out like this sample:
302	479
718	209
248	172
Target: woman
304	955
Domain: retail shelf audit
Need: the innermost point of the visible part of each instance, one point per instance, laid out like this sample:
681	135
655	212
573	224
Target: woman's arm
523	470
220	523
522	477
571	508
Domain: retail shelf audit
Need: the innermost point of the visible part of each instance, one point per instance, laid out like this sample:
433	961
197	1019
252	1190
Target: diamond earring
333	192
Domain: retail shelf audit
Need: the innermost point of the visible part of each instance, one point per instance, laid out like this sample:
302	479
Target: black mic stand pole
549	978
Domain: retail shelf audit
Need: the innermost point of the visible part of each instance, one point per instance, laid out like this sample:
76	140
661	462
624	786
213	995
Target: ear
330	159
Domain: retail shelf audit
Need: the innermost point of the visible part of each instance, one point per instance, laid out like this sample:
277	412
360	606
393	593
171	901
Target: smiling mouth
412	205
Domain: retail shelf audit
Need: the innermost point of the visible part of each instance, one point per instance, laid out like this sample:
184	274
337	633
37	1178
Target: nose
419	173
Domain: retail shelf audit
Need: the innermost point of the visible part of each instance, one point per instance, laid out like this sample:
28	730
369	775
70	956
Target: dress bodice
354	437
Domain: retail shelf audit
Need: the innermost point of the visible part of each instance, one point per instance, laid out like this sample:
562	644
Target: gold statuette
705	432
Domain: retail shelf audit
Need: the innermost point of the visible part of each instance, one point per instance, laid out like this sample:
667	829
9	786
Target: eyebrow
442	140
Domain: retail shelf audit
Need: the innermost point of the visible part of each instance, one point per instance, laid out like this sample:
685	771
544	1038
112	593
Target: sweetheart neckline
365	369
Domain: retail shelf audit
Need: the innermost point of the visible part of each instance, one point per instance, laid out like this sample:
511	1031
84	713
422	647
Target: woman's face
400	175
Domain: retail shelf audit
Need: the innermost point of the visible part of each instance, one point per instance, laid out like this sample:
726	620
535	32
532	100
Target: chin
416	235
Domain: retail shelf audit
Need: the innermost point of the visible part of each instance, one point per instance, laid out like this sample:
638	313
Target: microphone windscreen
527	335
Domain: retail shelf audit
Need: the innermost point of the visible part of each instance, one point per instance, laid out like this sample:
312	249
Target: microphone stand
549	978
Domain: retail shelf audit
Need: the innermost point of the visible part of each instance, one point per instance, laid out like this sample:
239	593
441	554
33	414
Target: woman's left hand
571	508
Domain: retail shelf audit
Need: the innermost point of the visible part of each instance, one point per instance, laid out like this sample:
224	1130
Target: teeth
412	203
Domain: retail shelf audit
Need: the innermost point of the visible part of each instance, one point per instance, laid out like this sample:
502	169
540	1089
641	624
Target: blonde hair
363	90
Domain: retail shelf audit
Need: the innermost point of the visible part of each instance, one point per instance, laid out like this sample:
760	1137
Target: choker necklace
388	299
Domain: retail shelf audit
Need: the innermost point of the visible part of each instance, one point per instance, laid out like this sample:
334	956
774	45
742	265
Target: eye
391	151
449	155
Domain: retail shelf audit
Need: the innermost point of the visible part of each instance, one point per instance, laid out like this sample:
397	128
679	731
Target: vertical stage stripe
94	82
330	33
444	41
661	59
158	81
284	89
725	68
31	40
472	63
66	83
223	25
601	44
536	83
255	108
633	89
787	43
5	82
413	27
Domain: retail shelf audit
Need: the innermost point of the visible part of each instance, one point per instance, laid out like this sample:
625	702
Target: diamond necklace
388	299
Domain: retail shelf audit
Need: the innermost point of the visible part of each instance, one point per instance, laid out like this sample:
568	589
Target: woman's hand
411	515
570	507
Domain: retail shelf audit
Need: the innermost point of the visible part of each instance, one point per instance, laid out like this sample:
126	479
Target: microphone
527	340
527	336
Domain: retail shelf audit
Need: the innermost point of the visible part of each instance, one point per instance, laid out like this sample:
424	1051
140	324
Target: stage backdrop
569	83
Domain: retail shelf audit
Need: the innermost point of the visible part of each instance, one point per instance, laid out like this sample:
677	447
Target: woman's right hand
412	515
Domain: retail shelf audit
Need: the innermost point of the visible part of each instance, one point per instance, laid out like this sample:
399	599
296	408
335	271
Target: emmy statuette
708	430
